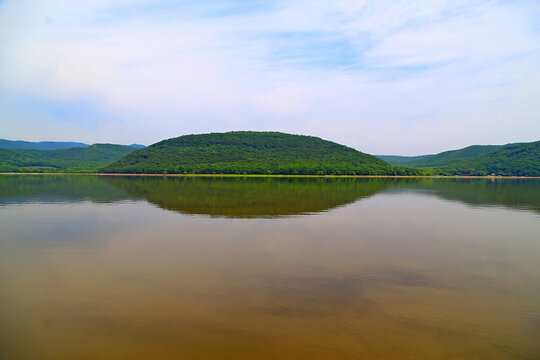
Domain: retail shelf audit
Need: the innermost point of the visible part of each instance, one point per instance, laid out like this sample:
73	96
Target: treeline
245	167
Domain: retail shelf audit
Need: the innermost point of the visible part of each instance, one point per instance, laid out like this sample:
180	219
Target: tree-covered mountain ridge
441	159
517	159
77	159
250	152
272	153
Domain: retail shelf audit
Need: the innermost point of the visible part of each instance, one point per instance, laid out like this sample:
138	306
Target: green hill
454	156
521	159
273	153
78	159
247	152
441	159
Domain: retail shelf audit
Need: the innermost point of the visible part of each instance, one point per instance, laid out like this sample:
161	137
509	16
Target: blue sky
385	77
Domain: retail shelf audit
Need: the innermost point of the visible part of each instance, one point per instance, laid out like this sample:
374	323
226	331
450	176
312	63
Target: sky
385	77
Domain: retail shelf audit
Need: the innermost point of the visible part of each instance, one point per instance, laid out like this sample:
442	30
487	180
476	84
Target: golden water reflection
399	274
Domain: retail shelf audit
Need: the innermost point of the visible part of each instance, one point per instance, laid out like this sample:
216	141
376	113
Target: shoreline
287	176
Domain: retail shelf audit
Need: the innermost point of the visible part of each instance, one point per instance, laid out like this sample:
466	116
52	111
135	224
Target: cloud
399	77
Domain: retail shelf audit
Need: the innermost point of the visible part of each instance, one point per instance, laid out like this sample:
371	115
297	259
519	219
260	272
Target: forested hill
454	156
77	159
520	159
248	152
273	153
441	159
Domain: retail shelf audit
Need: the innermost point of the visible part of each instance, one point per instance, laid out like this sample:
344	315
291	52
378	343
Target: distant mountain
41	145
47	145
440	159
401	160
248	152
520	159
77	159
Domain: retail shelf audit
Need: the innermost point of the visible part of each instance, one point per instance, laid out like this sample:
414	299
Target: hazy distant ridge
401	160
47	145
41	145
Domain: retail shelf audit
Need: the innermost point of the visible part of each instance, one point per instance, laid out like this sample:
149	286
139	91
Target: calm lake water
268	268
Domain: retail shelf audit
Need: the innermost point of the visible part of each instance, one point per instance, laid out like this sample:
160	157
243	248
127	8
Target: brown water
209	268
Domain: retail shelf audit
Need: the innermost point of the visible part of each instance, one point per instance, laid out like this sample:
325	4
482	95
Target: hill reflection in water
19	189
521	194
247	197
252	197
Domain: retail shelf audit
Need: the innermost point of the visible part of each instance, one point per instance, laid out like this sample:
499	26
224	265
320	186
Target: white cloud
418	78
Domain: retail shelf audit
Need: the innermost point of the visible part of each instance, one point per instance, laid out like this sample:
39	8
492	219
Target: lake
119	267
